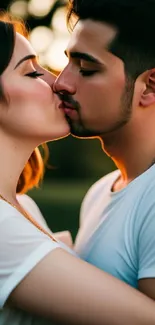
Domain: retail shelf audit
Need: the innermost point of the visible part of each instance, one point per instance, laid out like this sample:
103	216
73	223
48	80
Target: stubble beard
79	130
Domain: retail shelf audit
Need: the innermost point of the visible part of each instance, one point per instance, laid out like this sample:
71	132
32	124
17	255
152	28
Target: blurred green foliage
77	164
77	159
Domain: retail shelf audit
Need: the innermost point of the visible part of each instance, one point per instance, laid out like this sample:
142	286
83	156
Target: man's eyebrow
82	56
27	57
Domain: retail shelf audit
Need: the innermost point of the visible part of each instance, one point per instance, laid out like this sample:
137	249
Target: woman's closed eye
34	74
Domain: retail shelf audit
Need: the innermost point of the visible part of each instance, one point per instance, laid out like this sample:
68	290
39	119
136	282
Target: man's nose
64	83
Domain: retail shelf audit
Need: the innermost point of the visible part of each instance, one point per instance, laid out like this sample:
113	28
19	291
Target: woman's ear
148	95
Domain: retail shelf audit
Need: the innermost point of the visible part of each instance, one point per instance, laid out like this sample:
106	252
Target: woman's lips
66	105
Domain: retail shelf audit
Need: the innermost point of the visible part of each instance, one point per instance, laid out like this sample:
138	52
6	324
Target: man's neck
132	153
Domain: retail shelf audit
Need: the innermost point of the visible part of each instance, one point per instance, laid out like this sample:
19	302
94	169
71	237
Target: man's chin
82	133
79	131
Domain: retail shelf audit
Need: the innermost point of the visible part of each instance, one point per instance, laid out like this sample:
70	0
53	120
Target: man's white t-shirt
22	246
117	231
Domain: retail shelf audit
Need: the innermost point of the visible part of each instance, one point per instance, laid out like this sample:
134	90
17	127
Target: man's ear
148	95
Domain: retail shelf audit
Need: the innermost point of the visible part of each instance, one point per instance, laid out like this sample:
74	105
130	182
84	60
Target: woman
40	277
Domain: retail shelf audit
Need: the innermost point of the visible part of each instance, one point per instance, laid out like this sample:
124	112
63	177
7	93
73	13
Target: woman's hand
65	237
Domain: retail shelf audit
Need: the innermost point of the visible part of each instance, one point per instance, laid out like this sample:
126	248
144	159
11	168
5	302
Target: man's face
96	96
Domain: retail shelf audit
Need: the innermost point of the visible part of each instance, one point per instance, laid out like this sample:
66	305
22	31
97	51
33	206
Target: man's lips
69	110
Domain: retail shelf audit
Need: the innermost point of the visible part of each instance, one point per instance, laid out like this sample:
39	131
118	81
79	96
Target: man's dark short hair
135	22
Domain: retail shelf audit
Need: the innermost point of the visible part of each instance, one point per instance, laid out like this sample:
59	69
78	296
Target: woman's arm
66	289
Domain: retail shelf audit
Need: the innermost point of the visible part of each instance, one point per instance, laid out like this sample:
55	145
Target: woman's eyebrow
27	57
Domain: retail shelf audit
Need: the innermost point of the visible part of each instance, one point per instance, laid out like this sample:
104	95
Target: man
108	91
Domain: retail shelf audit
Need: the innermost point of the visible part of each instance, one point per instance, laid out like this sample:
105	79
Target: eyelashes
34	74
87	73
84	73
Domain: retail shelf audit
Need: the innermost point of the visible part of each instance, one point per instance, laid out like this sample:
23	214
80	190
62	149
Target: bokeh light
55	57
41	37
19	8
58	22
40	8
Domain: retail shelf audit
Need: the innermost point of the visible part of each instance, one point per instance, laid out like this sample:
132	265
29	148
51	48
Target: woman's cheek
29	91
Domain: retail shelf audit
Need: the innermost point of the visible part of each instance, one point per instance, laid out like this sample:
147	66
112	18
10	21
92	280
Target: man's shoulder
147	195
98	188
103	182
146	185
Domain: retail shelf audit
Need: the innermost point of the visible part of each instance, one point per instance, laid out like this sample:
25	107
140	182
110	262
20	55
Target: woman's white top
22	246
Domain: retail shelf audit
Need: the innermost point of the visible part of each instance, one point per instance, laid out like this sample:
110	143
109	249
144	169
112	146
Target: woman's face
31	109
